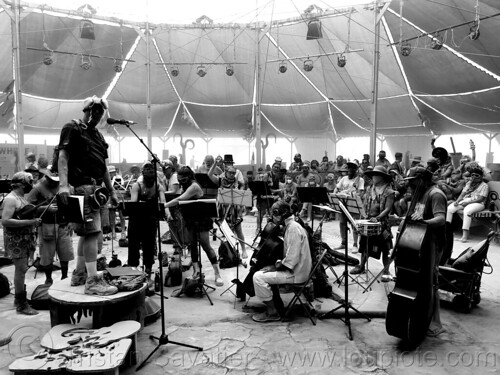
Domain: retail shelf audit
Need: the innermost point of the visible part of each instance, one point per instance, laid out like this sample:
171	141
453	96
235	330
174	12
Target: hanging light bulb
282	68
406	49
201	71
117	66
86	63
308	65
229	70
174	71
341	60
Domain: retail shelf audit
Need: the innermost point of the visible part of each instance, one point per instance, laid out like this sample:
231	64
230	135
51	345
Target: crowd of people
383	189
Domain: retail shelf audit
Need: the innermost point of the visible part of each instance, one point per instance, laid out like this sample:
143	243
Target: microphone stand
163	339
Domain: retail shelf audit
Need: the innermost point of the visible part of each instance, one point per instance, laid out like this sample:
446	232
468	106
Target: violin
28	212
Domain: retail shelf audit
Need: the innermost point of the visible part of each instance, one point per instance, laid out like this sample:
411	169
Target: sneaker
78	279
97	285
357	270
265	317
218	281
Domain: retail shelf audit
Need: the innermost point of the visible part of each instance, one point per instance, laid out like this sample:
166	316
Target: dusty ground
233	344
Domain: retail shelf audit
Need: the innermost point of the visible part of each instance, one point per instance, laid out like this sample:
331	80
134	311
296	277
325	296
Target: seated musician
197	230
142	230
231	212
379	199
55	232
293	268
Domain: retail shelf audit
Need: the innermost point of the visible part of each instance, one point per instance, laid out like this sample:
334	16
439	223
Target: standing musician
19	236
264	202
350	185
431	209
232	213
379	199
55	232
142	230
197	230
82	164
293	268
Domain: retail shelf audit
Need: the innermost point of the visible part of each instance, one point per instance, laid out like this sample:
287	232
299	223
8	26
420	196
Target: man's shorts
55	237
92	216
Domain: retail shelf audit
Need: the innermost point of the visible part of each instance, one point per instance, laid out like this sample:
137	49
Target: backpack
4	285
40	297
227	255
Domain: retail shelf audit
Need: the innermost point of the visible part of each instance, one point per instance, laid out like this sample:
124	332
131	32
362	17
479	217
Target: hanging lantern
405	49
86	63
474	31
201	71
282	68
117	66
308	65
341	60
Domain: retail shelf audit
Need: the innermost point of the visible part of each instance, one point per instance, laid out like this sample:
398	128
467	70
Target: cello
267	252
410	307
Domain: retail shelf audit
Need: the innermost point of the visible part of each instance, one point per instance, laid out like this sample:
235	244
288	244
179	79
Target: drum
368	229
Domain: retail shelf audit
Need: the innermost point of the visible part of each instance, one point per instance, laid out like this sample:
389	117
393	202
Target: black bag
174	272
4	285
227	255
40	297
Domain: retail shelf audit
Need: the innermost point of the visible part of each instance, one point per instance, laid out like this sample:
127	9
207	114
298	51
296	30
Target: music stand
259	189
314	195
345	303
193	211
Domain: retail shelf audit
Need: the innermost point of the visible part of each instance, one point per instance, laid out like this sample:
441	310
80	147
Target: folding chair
299	289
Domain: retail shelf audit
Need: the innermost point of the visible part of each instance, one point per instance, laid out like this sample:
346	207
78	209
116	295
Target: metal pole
17	85
258	135
148	64
376	56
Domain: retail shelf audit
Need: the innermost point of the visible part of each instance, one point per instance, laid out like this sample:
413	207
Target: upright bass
410	307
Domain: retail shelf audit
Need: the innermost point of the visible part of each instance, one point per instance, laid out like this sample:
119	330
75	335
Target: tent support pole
489	156
16	9
376	56
148	92
258	135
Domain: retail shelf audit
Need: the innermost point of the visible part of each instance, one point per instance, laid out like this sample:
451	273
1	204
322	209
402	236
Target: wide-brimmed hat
352	164
419	172
52	176
378	170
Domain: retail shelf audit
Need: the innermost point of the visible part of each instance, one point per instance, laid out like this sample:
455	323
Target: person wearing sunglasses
471	200
81	163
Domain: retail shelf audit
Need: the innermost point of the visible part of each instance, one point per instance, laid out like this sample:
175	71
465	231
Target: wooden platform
68	303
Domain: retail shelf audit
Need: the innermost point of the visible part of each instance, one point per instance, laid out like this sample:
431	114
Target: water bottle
157	281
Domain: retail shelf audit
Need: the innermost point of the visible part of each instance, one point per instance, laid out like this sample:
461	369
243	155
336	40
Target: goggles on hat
95	100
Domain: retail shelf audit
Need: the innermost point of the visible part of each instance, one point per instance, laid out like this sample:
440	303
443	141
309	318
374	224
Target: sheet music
228	233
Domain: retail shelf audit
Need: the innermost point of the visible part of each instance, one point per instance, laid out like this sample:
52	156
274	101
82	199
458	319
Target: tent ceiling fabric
451	90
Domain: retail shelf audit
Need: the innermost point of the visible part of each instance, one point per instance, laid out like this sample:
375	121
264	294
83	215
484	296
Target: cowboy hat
352	164
378	170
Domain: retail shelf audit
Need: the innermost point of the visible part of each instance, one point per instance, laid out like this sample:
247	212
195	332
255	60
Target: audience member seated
382	160
296	166
471	200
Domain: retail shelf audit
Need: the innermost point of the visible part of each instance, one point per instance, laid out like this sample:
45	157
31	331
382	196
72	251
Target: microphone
112	121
